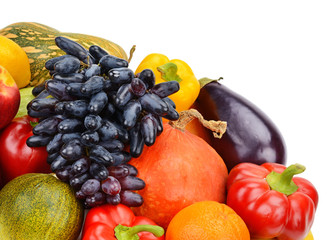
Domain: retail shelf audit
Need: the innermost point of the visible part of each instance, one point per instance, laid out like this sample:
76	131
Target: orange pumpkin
179	169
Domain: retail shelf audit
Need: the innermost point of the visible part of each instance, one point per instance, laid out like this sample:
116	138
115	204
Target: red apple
9	98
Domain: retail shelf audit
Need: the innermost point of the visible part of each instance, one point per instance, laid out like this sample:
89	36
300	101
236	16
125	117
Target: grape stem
217	127
131	233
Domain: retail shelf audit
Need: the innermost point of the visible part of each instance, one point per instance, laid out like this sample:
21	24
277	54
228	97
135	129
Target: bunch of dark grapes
94	115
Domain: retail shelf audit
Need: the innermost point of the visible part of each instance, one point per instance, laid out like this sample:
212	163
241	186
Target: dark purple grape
95	199
38	140
71	47
90	187
108	131
58	90
80	166
131	199
66	137
119	171
64	174
133	171
55	144
58	163
77	108
159	123
69	78
165	89
38	89
67	65
51	157
147	75
131	183
69	125
111	186
112	145
89	138
136	141
108	62
80	195
131	113
124	95
47	126
120	157
92	70
97	102
100	155
49	64
122	133
113	199
97	52
74	89
138	87
93	85
121	75
98	171
72	150
148	129
77	181
38	104
153	104
45	112
43	94
92	122
171	114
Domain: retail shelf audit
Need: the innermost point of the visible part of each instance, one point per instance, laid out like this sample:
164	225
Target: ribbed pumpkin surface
39	206
37	40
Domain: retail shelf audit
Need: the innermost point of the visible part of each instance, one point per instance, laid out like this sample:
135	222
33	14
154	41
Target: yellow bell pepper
308	237
175	69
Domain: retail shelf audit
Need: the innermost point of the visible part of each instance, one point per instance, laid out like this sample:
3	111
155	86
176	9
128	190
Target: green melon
38	206
37	40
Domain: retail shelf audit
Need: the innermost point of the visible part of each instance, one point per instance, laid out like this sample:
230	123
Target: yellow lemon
15	60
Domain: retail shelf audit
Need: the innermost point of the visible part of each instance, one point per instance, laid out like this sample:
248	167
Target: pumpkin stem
132	50
131	233
217	127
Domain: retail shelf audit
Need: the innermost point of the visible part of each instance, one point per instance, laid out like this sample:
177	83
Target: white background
278	54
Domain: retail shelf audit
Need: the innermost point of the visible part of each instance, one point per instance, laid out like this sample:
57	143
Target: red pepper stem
131	233
169	72
283	182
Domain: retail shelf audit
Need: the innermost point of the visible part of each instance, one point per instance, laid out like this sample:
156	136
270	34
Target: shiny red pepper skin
269	213
16	158
101	221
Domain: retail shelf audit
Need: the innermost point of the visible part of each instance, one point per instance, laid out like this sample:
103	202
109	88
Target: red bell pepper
271	201
16	158
118	222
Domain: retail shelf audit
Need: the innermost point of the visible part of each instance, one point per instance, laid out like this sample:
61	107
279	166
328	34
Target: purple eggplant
251	135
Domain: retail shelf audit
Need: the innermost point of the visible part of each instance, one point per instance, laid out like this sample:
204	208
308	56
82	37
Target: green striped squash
39	206
37	40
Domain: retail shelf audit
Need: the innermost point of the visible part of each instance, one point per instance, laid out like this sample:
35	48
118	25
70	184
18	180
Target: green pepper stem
131	233
169	72
283	182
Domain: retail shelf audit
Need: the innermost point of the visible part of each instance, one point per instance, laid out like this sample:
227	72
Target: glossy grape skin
165	89
131	199
67	65
69	78
121	75
49	64
71	47
251	135
108	62
55	144
153	104
38	140
72	150
148	77
97	52
131	113
93	85
97	102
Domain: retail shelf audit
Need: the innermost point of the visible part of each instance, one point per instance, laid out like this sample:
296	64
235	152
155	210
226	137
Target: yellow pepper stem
169	72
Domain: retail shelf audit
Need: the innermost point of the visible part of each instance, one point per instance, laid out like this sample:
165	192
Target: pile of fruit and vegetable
92	149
